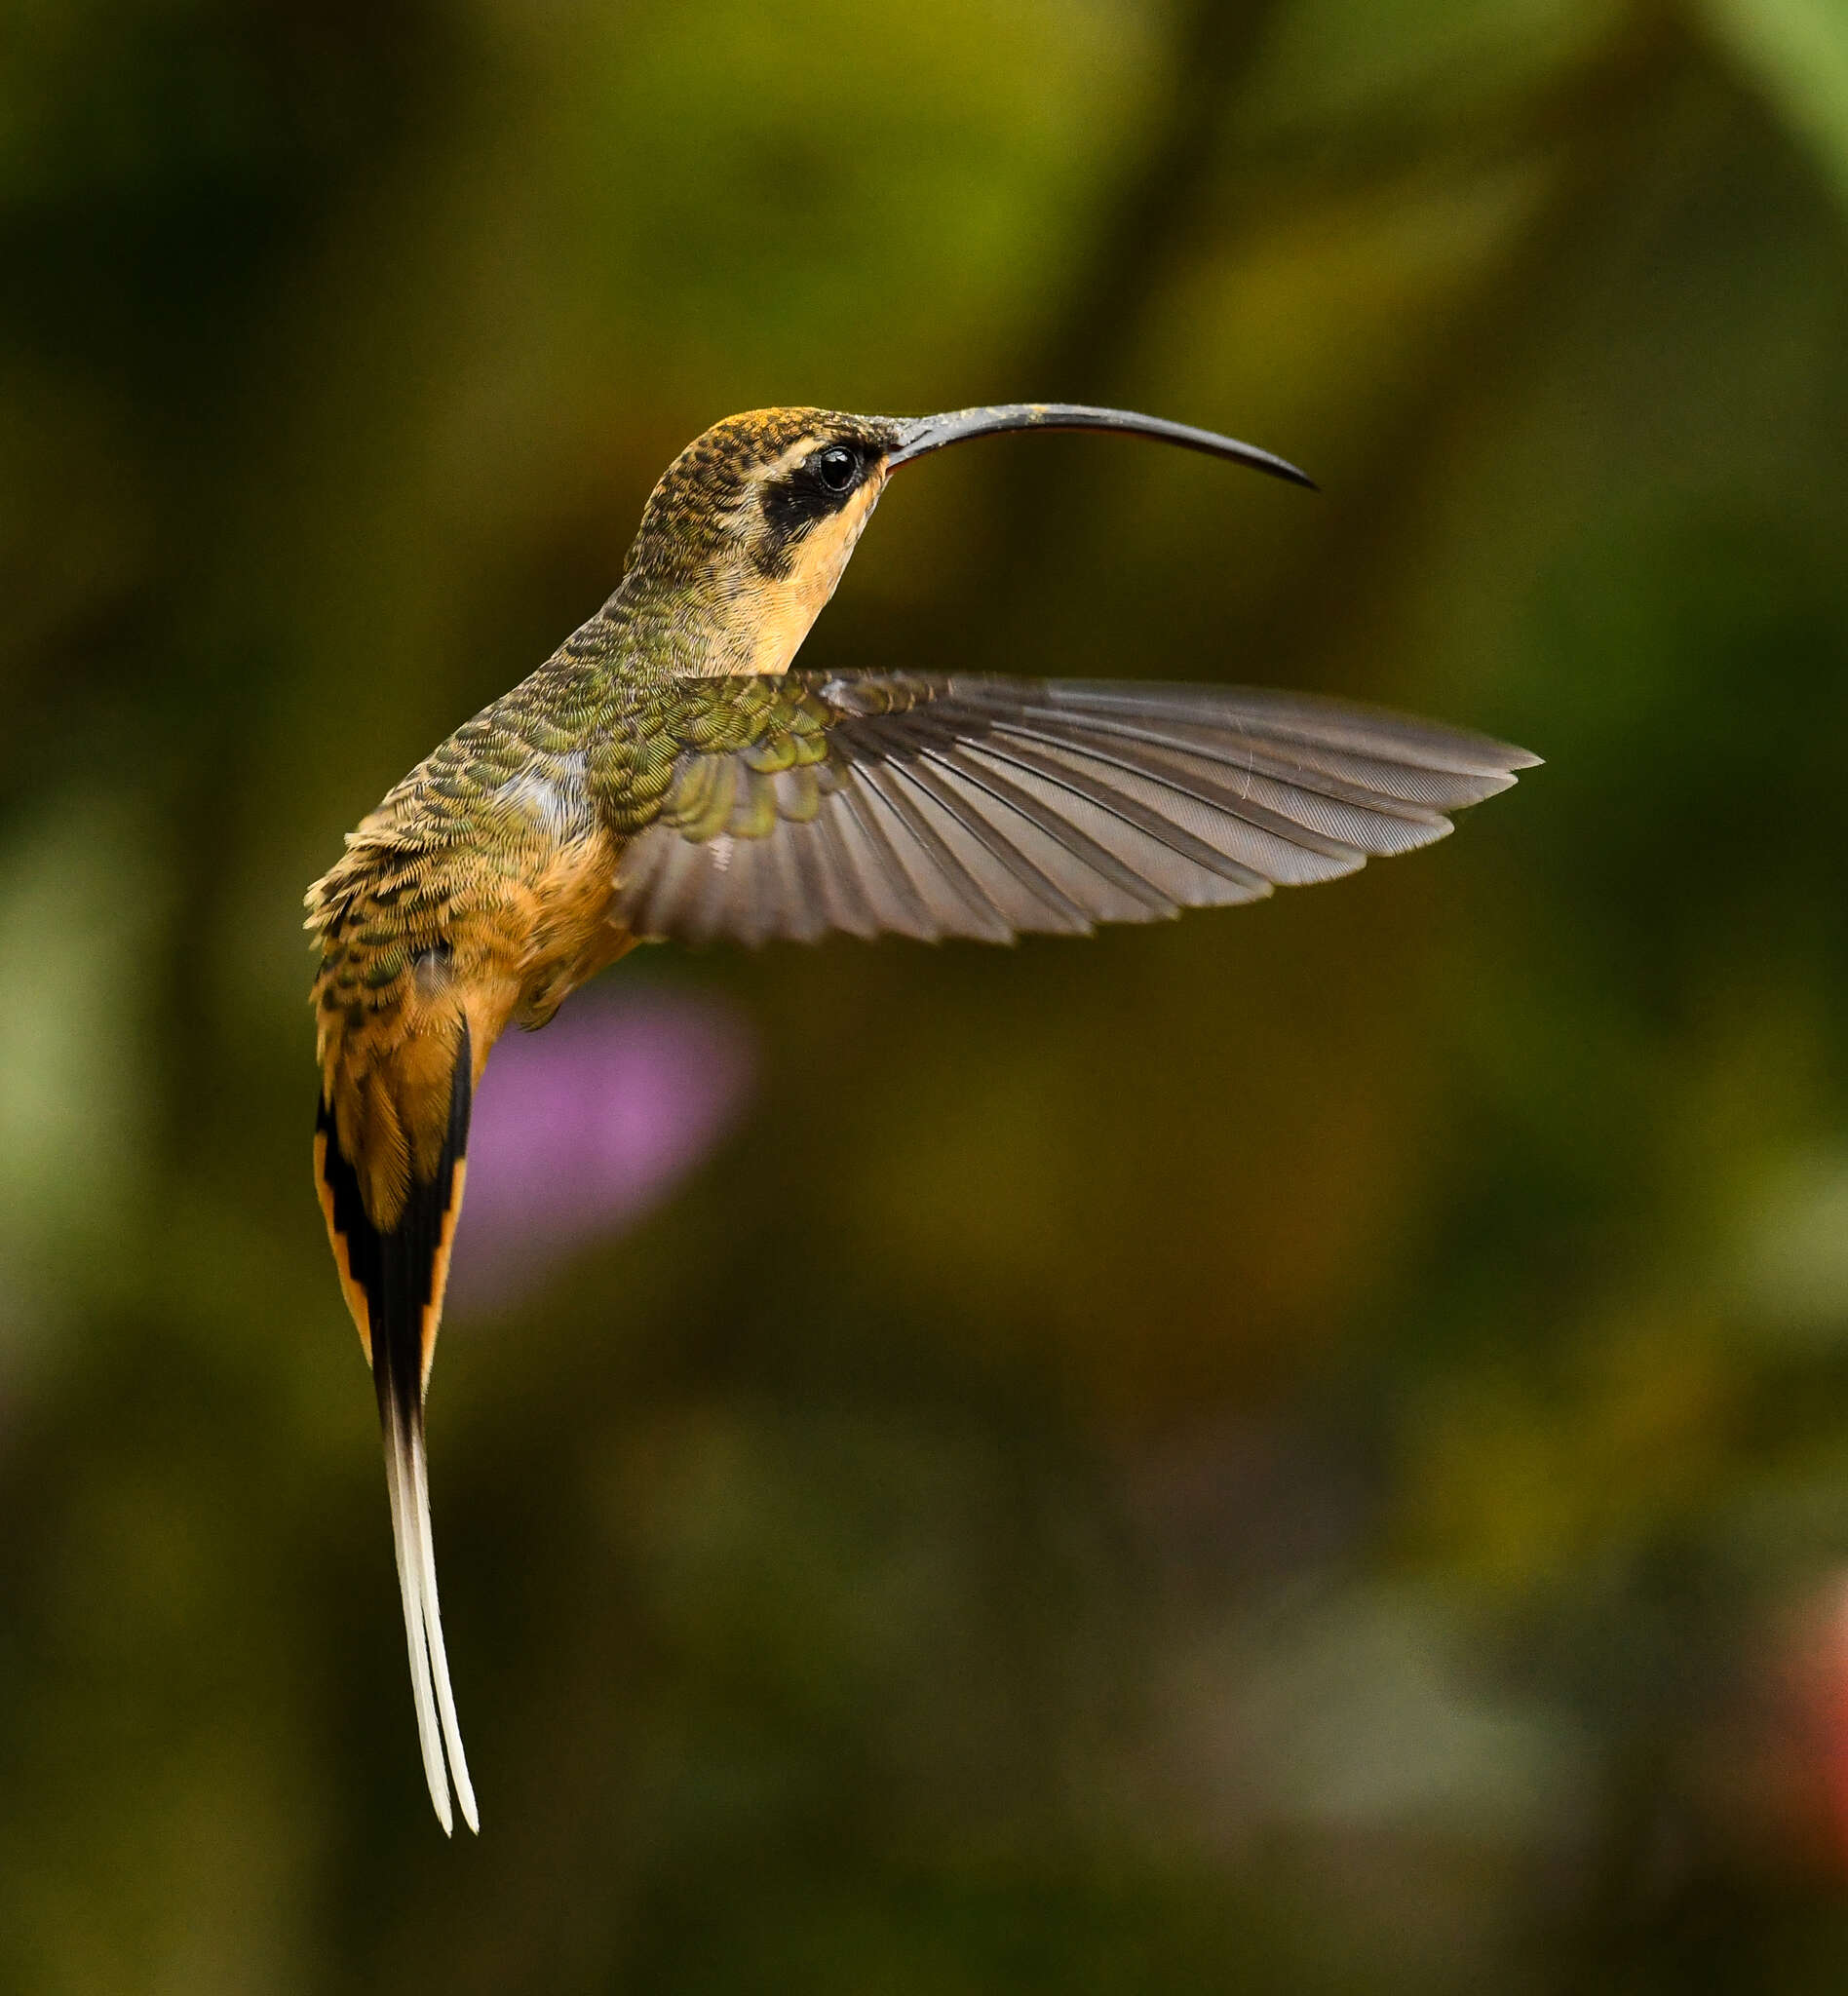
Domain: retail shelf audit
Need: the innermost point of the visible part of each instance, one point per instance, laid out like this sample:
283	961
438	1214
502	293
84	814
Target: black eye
837	468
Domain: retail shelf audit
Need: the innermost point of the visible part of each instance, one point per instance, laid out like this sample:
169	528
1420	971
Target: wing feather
892	895
1024	894
959	805
1083	870
957	903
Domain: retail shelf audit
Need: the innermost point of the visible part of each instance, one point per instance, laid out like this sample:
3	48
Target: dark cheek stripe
791	508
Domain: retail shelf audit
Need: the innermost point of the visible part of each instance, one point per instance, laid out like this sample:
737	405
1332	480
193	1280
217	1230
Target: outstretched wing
992	807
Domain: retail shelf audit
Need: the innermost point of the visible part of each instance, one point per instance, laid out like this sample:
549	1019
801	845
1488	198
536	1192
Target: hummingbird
664	774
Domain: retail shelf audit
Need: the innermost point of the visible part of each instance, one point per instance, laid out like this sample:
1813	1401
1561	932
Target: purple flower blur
578	1130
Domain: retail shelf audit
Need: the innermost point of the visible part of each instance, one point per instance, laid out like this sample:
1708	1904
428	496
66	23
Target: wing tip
1478	755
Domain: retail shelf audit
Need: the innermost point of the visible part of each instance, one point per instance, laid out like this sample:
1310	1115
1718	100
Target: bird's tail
393	1279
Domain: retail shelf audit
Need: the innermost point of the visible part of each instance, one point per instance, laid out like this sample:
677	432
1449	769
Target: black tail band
401	1271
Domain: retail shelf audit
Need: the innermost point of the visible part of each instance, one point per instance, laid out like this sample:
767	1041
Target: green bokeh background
1306	1450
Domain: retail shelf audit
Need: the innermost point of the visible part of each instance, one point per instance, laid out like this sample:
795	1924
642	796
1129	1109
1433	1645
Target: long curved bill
918	436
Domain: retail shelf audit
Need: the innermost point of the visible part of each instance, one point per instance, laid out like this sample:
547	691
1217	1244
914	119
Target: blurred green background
1302	1450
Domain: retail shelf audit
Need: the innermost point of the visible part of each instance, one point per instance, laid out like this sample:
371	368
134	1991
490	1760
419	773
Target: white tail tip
437	1728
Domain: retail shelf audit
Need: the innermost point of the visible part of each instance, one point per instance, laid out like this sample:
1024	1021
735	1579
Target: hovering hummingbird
664	774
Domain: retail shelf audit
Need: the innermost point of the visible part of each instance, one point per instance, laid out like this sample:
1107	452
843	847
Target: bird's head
749	530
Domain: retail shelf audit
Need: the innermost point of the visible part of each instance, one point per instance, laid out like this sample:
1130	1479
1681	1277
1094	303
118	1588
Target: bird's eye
837	467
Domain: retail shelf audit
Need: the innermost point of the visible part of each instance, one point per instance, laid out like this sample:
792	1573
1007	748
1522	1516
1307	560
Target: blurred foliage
1303	1450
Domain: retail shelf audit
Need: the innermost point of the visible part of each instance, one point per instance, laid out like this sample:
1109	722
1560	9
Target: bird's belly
571	935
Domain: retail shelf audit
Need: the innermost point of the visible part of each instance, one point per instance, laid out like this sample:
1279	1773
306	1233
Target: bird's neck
705	604
720	618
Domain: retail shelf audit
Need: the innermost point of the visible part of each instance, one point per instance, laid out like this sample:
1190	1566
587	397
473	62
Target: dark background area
1302	1450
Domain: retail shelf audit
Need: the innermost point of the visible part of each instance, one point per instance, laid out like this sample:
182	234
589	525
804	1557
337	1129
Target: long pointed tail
394	1280
407	1480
